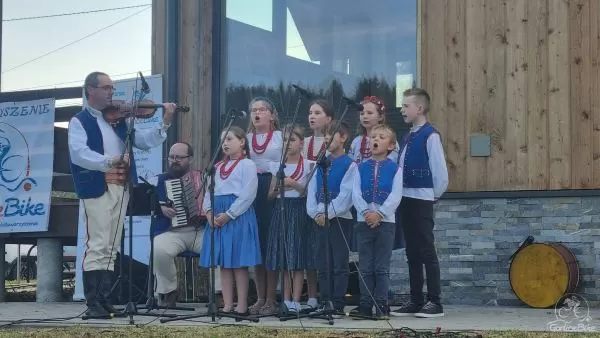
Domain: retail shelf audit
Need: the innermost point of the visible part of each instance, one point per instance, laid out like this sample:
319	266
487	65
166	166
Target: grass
243	331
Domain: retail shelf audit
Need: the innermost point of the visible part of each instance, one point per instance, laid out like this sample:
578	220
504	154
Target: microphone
238	113
145	86
353	104
302	91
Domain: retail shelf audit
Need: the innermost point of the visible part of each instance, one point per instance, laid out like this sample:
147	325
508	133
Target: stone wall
475	239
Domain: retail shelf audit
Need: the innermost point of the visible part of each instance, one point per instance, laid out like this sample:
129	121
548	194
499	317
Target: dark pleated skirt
294	225
264	211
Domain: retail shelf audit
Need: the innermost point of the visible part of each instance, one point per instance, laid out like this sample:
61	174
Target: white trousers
104	218
167	246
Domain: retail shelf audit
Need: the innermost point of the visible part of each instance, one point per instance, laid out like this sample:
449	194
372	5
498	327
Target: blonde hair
270	107
421	95
387	129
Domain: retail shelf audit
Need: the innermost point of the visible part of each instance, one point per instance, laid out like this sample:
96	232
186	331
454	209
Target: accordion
182	192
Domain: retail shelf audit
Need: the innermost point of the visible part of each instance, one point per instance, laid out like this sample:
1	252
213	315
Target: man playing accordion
170	240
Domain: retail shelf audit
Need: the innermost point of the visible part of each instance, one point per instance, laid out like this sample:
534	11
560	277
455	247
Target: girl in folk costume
266	144
293	222
373	114
237	244
319	116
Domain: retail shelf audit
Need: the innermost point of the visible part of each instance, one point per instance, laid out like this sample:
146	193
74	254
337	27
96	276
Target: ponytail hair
240	134
270	107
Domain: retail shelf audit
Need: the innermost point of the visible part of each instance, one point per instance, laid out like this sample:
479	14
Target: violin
119	110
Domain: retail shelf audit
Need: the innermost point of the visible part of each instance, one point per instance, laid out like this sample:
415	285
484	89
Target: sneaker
291	308
308	308
408	309
382	312
430	310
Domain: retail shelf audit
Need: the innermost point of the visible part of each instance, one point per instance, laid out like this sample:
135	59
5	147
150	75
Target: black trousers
336	239
417	223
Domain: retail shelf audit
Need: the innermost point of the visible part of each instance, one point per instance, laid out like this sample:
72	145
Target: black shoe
408	309
105	280
90	291
96	311
362	311
241	314
430	310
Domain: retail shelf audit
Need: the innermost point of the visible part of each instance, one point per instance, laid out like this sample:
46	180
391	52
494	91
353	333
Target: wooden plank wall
194	90
524	72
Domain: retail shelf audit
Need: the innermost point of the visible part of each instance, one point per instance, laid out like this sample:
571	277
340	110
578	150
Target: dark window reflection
333	48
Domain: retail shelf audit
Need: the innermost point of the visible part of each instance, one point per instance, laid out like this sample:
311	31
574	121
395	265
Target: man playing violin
100	168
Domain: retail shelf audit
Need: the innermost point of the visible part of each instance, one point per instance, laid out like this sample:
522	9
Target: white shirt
272	153
85	157
317	144
242	182
289	170
339	206
355	154
387	209
437	164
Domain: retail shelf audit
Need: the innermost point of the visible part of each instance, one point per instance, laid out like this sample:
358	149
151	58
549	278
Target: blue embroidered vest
416	171
163	223
337	170
376	179
91	183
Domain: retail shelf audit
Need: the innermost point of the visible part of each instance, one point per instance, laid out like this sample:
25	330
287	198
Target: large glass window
333	48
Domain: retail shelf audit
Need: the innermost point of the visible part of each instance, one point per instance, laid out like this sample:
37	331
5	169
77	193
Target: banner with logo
148	165
26	160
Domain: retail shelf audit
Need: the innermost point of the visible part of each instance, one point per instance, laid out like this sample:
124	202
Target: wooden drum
541	274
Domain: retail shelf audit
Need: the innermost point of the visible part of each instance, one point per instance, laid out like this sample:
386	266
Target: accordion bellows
187	195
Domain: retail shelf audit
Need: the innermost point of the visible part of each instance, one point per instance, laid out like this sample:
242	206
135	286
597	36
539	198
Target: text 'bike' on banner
26	162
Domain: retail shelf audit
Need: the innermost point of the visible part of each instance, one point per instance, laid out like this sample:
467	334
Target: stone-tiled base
475	239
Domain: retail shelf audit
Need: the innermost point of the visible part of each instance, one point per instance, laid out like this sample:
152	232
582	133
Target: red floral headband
376	100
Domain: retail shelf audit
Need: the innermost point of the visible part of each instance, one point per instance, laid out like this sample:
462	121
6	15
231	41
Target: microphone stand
131	309
280	185
213	312
151	303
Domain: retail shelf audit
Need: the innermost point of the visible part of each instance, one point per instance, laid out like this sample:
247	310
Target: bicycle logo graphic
15	164
572	313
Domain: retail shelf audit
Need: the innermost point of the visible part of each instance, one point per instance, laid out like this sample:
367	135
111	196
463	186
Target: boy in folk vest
425	177
376	194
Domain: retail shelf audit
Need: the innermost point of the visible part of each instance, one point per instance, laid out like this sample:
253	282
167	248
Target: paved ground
457	318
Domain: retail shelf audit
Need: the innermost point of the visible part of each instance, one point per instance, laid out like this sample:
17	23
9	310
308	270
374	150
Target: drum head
539	275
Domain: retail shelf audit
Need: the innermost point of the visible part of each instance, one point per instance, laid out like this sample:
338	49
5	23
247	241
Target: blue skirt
264	210
236	243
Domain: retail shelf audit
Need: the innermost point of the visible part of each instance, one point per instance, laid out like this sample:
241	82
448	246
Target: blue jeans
374	256
338	261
